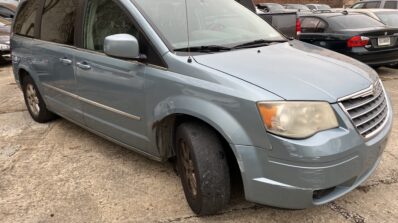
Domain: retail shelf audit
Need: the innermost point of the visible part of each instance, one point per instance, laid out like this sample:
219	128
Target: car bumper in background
5	56
299	174
375	58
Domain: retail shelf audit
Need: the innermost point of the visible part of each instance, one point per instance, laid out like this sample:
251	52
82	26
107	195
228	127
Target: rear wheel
202	164
34	102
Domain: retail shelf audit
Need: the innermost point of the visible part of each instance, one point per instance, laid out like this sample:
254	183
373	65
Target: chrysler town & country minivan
202	81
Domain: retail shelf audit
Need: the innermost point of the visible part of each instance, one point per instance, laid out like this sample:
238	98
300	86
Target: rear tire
203	168
34	102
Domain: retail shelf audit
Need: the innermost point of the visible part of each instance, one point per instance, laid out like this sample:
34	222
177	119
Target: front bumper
299	174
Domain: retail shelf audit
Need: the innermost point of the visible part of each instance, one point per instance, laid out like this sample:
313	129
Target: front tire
203	168
34	102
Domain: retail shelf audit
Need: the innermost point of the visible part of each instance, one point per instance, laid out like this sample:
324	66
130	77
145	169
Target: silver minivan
208	84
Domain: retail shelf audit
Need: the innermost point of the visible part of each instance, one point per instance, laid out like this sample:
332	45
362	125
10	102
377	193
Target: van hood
294	70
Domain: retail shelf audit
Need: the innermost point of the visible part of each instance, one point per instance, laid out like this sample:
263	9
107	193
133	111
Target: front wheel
203	167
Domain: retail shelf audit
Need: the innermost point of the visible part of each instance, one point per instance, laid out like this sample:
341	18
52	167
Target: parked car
318	7
271	7
370	4
297	7
7	9
214	91
284	20
353	34
5	28
387	16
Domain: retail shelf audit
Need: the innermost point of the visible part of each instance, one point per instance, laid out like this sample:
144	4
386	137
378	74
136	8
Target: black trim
39	15
79	27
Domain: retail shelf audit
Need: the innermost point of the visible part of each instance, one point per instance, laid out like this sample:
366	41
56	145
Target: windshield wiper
209	48
259	42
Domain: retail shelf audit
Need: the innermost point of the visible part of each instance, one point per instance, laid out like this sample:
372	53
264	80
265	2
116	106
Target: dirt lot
59	172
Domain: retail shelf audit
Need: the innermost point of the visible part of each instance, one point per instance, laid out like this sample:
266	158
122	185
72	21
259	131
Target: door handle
83	65
65	61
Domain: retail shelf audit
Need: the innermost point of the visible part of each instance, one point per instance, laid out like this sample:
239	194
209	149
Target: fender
214	115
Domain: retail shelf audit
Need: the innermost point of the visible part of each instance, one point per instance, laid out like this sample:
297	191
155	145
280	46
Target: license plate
384	41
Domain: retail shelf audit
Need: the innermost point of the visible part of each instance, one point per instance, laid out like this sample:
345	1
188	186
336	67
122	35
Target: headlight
4	47
297	119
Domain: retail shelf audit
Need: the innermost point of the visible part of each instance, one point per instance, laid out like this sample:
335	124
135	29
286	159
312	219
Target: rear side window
25	20
58	21
312	25
391	5
353	22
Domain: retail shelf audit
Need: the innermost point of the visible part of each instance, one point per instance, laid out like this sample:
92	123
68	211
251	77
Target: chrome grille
368	110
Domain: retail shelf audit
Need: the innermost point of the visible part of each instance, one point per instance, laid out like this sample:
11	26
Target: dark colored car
353	34
283	20
8	9
5	27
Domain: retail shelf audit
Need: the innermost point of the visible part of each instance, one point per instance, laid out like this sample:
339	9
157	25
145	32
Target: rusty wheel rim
188	167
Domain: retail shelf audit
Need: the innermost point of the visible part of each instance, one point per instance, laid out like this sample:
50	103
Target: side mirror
122	46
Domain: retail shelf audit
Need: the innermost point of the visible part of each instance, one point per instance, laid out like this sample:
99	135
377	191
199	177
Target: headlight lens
297	119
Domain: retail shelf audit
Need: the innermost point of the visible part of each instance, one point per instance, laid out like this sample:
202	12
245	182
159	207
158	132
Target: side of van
205	82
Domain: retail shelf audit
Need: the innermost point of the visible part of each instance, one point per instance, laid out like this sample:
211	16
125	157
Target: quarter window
25	20
58	21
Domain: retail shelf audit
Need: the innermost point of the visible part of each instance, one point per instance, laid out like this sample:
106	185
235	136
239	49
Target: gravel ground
59	172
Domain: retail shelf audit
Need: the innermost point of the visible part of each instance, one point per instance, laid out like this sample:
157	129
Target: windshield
388	18
354	22
221	22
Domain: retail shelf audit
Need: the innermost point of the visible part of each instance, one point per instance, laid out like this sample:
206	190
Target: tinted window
388	18
312	25
6	13
25	21
372	5
58	21
353	22
390	5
